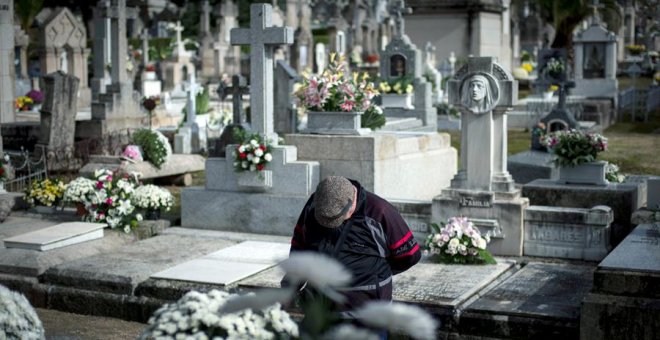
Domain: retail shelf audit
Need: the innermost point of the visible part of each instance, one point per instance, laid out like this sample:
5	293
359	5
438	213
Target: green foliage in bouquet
153	147
373	118
574	147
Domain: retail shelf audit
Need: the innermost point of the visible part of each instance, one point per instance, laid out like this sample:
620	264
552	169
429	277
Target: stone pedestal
495	213
624	302
588	173
227	203
623	198
335	123
412	166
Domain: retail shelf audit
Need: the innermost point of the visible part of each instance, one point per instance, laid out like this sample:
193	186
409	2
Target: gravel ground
67	326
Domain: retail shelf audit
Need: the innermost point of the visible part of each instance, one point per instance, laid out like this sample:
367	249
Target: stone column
100	48
7	75
610	60
578	61
58	113
119	75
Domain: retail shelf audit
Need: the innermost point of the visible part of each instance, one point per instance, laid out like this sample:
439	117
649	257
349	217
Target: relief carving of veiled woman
479	94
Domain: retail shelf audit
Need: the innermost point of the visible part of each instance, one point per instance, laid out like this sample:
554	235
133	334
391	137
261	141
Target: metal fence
26	169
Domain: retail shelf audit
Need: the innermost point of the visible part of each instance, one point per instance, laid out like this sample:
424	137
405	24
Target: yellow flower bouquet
401	85
48	192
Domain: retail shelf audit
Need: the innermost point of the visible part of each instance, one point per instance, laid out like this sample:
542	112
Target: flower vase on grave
152	214
547	95
43	209
592	173
335	122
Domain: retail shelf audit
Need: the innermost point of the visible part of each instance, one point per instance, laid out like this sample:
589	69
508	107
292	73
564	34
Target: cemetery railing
26	169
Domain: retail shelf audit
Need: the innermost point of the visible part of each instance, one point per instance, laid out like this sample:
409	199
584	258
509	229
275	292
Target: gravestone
594	61
190	138
115	109
237	90
7	109
401	58
302	56
285	110
571	233
483	189
58	113
179	66
625	299
206	42
273	196
227	57
61	235
101	49
62	45
337	27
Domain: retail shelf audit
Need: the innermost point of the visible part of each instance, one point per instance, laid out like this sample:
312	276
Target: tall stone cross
595	5
117	14
397	10
205	19
179	44
237	90
262	38
145	46
484	91
191	105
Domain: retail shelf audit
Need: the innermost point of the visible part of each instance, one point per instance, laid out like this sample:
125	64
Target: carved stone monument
483	189
7	110
401	58
267	201
62	45
206	52
58	113
302	50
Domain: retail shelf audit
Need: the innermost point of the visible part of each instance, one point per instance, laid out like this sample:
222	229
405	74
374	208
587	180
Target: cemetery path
62	325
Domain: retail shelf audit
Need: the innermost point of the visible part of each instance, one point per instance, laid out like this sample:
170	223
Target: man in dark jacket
362	231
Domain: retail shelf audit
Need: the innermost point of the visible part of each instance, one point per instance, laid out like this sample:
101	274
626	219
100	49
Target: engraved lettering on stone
556	233
475	201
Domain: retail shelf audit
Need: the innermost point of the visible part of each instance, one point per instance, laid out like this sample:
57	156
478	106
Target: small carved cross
237	90
397	10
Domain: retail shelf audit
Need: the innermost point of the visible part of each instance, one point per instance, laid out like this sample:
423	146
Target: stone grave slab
640	251
121	270
57	236
229	265
541	299
177	164
15	261
421	284
269	278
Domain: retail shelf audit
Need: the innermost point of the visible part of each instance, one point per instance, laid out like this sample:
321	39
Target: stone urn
592	173
393	100
335	123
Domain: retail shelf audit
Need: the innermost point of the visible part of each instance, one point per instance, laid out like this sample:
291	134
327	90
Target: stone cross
205	19
179	44
237	90
117	14
262	37
397	10
145	46
429	56
483	91
191	105
595	5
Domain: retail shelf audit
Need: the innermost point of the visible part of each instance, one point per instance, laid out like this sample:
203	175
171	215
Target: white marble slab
57	236
230	264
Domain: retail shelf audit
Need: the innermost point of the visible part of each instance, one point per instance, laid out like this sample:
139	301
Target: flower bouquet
199	316
458	242
133	152
47	192
574	147
79	190
402	85
23	103
155	146
613	174
110	202
336	89
152	198
635	49
252	154
554	68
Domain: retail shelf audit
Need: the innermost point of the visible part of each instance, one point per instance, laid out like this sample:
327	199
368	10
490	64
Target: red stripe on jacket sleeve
403	240
412	251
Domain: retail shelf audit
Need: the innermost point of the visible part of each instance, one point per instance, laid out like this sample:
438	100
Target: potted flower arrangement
45	193
554	68
575	154
336	99
550	91
152	199
397	93
78	192
635	50
458	242
613	173
37	98
251	156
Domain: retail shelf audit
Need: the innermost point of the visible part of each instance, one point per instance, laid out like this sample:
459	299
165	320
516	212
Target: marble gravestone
7	110
267	201
483	189
58	113
401	58
595	61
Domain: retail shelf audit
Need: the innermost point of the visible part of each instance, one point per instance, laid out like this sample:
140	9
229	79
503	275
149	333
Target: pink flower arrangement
133	152
336	89
574	147
459	242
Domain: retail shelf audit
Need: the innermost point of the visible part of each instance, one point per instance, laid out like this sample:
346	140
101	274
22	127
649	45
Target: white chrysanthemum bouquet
78	190
252	154
152	197
202	316
458	241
